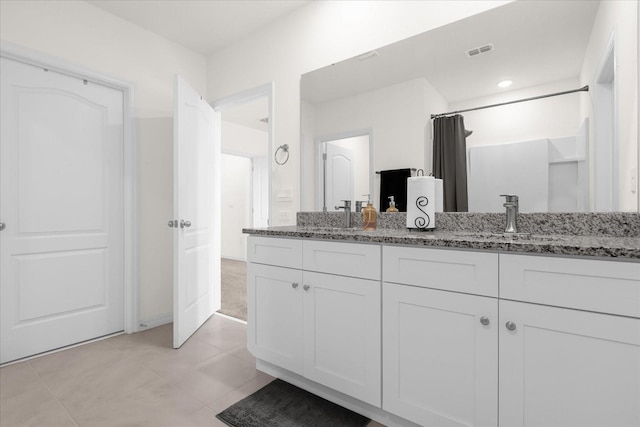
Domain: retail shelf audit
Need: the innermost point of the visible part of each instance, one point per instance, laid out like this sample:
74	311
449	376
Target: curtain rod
582	89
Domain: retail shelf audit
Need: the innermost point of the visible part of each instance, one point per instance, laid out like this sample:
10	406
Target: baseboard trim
154	322
244	322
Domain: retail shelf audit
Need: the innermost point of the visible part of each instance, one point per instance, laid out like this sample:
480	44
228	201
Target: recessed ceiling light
505	83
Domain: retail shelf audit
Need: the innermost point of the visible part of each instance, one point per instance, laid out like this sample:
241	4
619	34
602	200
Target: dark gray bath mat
280	404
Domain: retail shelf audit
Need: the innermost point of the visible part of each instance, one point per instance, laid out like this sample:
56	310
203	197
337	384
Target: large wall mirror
576	152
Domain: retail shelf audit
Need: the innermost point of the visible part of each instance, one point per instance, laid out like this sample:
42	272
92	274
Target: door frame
239	98
319	172
130	253
605	142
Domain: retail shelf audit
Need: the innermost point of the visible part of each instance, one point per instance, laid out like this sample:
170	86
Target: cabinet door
562	367
440	356
342	334
274	315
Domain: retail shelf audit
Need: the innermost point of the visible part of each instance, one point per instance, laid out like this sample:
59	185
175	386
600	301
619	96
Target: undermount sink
508	236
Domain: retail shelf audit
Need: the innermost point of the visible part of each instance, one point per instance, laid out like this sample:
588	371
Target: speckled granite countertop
596	235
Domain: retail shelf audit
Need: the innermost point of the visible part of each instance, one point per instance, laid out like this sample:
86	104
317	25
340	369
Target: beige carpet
234	288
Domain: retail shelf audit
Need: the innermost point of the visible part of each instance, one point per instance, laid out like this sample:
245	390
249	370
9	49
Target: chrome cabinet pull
484	320
294	285
185	224
510	326
2	226
306	287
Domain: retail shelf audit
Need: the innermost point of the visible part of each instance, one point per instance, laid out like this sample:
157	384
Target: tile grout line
64	408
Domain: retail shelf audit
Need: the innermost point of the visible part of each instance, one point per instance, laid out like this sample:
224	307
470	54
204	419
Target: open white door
196	206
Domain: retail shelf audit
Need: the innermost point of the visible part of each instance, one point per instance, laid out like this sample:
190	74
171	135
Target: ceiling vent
368	55
479	50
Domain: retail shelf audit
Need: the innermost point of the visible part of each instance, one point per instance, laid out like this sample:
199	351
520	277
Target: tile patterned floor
134	380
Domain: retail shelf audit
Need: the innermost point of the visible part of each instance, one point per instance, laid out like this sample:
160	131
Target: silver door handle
294	285
2	226
484	320
306	287
185	224
510	326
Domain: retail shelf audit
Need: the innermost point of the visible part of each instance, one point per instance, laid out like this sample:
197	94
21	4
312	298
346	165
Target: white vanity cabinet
450	337
569	366
440	353
325	327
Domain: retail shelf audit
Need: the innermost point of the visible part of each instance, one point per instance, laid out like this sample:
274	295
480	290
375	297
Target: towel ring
285	148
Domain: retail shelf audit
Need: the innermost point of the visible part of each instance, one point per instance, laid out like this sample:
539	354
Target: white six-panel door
196	201
61	252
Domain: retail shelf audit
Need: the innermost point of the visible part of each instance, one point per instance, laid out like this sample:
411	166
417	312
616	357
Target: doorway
246	141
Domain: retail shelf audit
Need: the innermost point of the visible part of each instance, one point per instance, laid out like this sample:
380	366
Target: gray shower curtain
450	161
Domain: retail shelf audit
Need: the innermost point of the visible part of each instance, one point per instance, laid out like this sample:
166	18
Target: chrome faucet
512	213
359	205
347	213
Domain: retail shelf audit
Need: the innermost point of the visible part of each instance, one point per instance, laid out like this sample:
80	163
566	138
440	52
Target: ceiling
249	114
204	26
536	42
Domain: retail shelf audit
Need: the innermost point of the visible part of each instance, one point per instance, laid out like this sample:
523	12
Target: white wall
243	141
82	34
544	118
621	17
236	205
308	162
312	37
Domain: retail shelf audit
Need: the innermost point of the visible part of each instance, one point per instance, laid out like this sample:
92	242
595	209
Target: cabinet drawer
274	251
461	271
345	259
594	285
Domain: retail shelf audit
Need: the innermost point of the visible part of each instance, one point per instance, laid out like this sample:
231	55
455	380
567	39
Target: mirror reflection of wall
544	47
396	115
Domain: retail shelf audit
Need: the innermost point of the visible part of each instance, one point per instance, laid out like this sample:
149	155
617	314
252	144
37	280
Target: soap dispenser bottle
369	216
392	204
